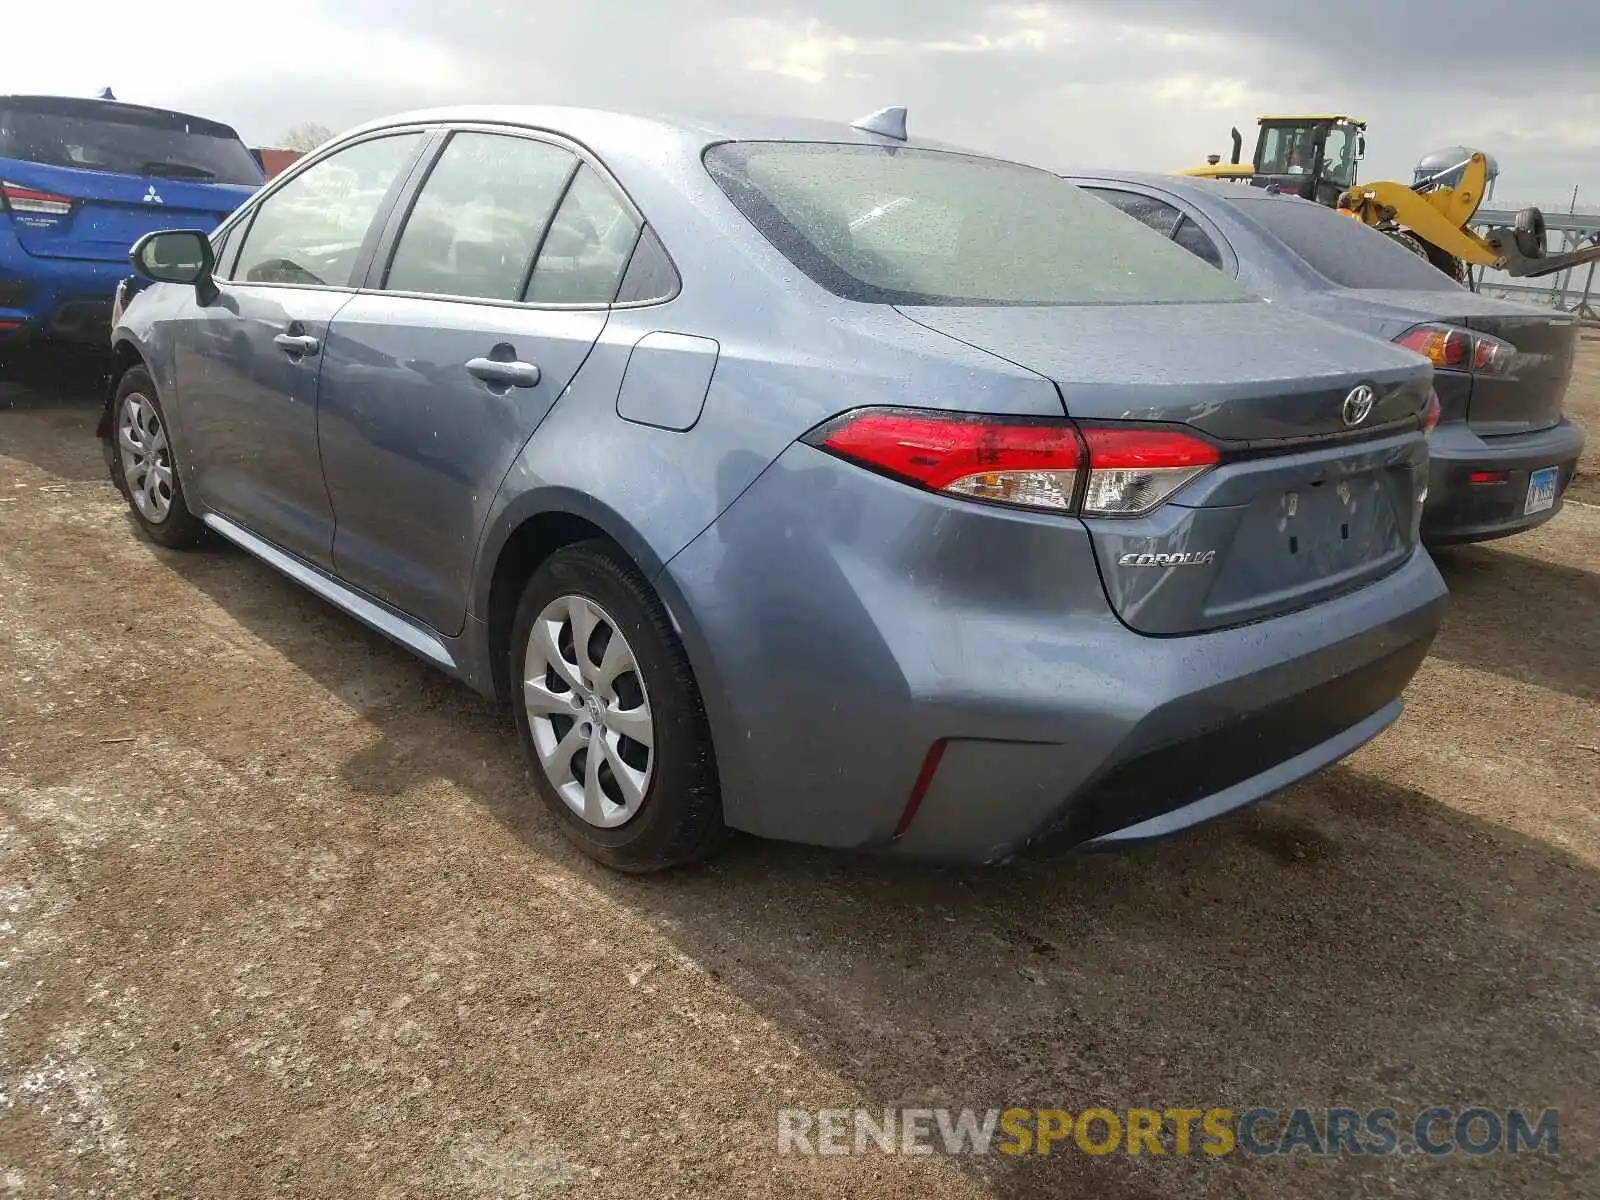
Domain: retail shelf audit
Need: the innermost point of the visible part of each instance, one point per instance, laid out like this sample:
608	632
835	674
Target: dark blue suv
80	182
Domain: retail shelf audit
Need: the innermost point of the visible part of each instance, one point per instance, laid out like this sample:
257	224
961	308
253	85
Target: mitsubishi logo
151	196
1358	405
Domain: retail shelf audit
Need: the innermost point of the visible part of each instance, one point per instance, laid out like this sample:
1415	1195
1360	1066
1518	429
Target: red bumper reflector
930	764
1489	477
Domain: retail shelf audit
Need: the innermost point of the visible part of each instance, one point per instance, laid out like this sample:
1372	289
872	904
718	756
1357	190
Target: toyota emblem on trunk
1358	404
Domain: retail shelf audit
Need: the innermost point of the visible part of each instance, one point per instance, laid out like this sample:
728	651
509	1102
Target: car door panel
251	412
436	378
414	444
248	356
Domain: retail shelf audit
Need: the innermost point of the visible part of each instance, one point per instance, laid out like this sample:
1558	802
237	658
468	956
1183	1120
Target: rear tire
610	716
144	465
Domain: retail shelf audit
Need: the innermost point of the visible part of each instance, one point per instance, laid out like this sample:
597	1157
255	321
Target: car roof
656	161
1191	187
597	127
89	106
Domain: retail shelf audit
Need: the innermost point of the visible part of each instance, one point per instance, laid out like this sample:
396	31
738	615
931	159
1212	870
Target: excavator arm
1420	212
1442	217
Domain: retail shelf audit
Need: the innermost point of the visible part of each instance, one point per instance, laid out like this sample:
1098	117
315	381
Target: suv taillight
1102	470
21	199
1454	349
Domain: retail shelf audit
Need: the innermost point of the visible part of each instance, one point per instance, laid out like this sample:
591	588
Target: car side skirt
417	638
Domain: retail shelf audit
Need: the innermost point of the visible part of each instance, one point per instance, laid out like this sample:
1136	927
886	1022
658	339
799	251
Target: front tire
1450	265
1409	240
610	716
145	468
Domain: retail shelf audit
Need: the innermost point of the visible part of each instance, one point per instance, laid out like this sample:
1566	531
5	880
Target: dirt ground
1583	406
277	918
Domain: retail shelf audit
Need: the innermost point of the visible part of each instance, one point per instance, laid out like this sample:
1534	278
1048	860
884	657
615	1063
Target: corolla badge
1194	558
1358	404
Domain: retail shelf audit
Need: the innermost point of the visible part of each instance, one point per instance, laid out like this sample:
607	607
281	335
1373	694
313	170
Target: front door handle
514	374
297	344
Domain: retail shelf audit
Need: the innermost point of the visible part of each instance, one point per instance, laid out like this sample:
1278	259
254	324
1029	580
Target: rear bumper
55	299
1255	787
1459	510
841	624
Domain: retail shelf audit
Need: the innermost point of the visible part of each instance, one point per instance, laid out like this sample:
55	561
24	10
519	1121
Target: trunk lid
111	211
1531	393
1303	506
1527	397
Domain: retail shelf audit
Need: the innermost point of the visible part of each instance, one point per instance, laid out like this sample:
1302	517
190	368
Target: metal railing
1571	290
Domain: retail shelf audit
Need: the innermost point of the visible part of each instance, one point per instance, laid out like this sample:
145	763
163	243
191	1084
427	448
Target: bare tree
307	135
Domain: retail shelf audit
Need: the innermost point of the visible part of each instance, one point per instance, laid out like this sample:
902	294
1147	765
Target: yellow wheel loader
1318	157
1313	157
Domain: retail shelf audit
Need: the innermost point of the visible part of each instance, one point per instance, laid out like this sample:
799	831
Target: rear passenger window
310	231
477	221
650	274
1163	218
1195	240
587	248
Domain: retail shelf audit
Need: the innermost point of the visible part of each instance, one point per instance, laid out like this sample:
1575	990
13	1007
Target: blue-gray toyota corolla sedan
794	477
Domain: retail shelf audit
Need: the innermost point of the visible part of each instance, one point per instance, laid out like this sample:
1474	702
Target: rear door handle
297	344
493	370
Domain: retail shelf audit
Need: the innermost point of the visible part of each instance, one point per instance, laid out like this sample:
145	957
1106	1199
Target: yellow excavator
1318	158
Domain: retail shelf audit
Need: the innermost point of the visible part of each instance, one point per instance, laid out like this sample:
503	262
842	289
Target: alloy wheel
588	711
146	457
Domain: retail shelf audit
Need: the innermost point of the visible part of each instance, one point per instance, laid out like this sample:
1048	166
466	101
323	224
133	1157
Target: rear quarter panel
654	489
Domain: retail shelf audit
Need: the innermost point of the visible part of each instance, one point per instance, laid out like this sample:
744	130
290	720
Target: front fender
143	336
128	349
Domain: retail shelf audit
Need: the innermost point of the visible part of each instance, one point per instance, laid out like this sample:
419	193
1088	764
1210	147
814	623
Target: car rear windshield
896	225
1343	249
99	135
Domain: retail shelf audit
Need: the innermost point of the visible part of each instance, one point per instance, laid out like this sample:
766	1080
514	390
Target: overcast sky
1150	84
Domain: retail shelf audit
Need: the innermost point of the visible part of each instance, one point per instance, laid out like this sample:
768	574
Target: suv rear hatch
85	179
1302	506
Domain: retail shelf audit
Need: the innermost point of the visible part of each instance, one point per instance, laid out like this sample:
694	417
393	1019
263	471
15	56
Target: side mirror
174	256
1361	146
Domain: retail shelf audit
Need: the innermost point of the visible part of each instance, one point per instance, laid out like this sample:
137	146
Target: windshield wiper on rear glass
176	170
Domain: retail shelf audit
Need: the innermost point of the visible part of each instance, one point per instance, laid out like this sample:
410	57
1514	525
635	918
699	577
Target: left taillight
1051	465
1032	464
19	199
1453	349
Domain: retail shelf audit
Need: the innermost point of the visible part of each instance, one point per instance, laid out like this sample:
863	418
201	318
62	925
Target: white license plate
1541	490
